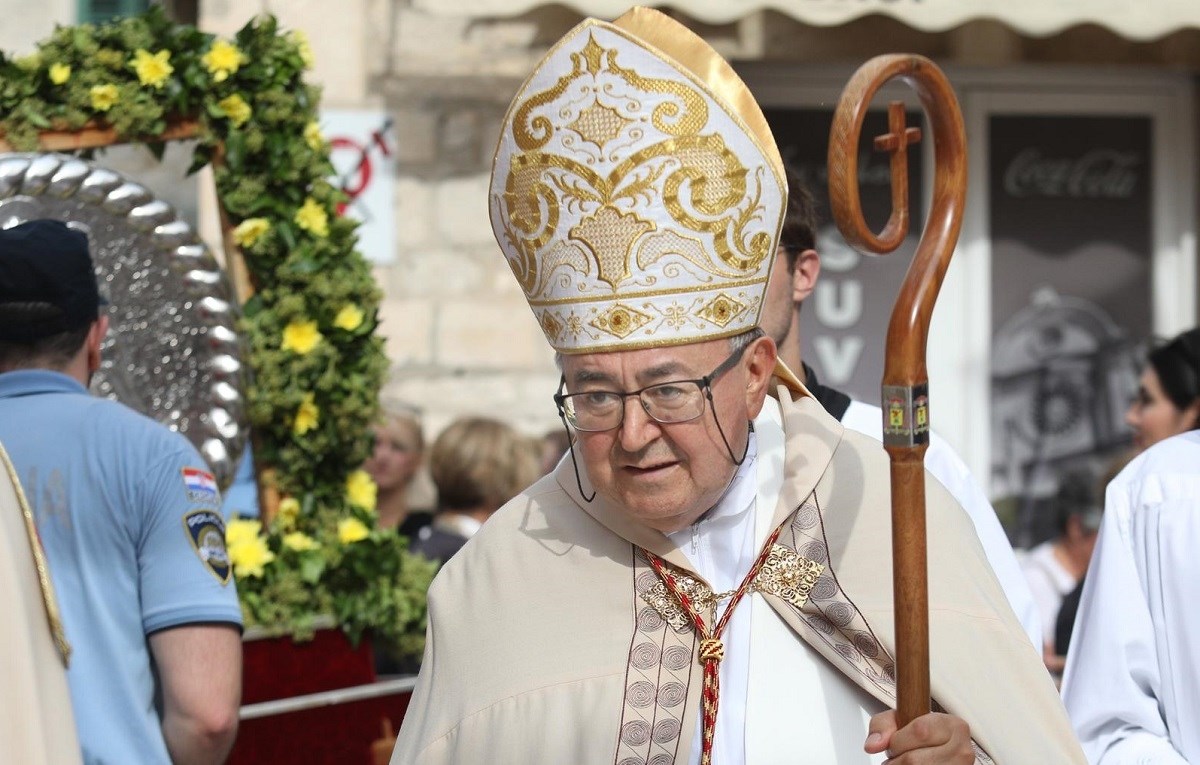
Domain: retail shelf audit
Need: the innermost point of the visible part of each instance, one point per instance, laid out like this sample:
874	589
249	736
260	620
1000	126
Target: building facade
1079	242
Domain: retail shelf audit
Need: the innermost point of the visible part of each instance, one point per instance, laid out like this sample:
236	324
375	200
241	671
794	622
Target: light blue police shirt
130	519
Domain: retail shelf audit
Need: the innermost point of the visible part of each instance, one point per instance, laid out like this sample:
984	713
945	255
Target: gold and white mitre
636	191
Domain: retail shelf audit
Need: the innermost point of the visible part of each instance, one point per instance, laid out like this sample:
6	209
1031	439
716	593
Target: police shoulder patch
206	531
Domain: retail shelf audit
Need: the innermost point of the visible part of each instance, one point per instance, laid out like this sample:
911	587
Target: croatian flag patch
200	486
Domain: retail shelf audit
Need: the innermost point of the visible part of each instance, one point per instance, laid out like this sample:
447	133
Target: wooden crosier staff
905	378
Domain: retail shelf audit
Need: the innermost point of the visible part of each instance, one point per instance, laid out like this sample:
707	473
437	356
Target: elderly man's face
668	475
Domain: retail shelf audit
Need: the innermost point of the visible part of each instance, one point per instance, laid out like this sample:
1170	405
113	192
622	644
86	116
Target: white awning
1134	19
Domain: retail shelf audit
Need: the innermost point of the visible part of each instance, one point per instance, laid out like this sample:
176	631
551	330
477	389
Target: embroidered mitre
636	190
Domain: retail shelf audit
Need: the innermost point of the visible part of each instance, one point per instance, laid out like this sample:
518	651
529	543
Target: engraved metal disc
172	350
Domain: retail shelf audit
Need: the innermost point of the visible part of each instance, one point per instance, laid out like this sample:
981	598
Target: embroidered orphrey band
39	562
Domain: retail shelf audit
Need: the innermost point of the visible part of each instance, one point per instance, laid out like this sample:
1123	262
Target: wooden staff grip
905	377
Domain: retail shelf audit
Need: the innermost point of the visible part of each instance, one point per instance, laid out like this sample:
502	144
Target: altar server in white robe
1132	683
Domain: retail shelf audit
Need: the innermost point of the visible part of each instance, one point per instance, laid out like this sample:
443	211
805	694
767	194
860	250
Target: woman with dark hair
1168	397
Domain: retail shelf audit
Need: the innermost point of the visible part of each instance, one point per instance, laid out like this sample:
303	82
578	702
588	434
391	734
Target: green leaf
311	567
288	234
252	307
306	266
235	146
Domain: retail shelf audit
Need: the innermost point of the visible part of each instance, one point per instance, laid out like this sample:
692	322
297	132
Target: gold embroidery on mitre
599	124
721	310
620	321
676	315
788	575
574	324
624	178
551	326
670	246
609	234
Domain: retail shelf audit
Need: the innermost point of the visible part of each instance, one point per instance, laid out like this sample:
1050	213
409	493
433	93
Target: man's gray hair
738	342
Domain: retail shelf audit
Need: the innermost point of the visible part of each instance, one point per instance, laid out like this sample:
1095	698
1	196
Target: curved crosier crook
905	377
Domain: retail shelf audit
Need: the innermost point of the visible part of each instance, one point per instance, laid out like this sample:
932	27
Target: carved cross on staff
896	141
905	378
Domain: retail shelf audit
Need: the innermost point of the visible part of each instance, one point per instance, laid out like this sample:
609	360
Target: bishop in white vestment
706	577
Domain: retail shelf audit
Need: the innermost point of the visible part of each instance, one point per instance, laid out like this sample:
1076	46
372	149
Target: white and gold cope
636	191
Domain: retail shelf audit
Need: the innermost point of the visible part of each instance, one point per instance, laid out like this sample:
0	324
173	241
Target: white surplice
1132	683
760	648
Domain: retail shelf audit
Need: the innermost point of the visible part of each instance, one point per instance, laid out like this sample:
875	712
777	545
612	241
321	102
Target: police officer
129	516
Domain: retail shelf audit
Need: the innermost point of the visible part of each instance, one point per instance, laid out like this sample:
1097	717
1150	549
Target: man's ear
760	365
95	338
804	275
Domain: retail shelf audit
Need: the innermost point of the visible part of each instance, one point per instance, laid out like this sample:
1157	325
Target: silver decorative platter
173	352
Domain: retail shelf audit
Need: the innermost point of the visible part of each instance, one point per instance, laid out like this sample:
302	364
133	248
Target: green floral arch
317	363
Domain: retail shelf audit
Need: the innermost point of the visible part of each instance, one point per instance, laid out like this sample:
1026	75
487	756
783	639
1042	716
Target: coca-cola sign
1058	181
1098	174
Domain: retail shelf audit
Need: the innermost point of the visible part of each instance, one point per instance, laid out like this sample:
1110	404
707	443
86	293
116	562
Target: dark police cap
44	261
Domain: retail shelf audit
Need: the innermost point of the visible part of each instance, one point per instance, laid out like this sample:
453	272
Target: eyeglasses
667	402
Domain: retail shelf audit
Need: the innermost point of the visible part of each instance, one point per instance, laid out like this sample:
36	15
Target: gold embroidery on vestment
785	574
788	575
662	601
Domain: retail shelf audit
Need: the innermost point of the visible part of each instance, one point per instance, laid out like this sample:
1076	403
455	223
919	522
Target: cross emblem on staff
896	141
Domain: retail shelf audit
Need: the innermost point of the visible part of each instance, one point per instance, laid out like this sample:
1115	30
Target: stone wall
459	334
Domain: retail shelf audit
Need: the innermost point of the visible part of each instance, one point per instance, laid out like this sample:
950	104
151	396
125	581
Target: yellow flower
247	550
59	73
299	541
241	530
301	337
250	557
360	489
312	218
249	230
236	109
303	48
352	530
103	97
349	318
289	510
222	60
312	136
307	416
152	69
